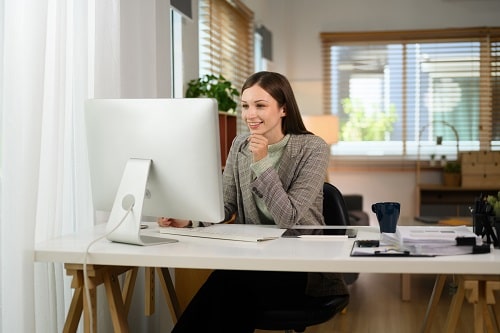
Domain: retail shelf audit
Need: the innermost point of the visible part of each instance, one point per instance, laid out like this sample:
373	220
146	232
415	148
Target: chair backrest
319	309
335	213
334	207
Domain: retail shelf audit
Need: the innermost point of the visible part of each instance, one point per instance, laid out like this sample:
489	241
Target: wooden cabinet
480	175
439	200
227	129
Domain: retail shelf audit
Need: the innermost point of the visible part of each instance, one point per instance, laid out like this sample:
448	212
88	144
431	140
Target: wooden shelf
441	187
440	200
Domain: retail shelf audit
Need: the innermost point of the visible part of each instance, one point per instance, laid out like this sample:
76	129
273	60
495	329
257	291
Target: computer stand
124	224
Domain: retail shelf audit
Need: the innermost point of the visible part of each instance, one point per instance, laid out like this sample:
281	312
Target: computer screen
161	156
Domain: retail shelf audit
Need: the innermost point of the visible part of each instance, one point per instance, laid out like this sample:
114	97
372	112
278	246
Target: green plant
495	203
366	125
452	167
213	86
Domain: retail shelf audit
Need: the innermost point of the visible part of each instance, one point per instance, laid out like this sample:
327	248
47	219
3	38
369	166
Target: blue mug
387	215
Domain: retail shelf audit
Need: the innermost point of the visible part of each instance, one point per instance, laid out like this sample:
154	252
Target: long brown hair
279	88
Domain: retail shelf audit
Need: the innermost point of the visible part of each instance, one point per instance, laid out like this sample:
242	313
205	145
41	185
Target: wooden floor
376	306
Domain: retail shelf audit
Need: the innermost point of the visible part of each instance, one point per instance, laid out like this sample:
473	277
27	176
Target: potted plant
494	202
432	162
443	160
217	87
451	173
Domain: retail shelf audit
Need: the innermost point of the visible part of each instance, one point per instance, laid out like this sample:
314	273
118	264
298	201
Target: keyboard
152	240
236	232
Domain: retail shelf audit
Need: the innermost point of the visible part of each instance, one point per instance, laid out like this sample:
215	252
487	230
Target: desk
284	254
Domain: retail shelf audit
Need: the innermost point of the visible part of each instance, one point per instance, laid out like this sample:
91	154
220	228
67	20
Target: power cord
85	272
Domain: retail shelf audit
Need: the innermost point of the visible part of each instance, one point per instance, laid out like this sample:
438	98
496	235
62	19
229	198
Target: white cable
85	273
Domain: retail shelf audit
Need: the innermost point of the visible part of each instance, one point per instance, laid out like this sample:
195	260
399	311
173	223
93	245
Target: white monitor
159	156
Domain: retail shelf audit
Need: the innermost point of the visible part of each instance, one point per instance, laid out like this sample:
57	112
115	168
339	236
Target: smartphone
296	232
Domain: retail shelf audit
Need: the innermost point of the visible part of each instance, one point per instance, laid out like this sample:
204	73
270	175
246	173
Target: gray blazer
293	194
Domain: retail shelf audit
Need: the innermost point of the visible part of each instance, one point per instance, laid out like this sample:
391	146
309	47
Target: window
177	63
263	46
259	61
226	40
226	36
396	92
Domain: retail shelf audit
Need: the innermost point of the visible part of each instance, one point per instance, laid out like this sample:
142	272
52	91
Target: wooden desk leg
74	312
406	287
433	302
477	289
169	293
90	310
455	307
149	291
80	302
116	306
128	288
492	322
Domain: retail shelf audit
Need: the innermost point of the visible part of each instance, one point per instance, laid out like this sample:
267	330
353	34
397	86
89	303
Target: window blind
396	92
226	40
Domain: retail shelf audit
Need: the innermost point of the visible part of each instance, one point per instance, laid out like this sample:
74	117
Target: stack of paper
437	240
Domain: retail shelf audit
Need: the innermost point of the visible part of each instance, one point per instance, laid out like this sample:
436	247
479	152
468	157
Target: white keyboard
238	232
152	240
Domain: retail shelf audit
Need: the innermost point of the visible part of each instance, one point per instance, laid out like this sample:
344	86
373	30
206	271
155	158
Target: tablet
297	232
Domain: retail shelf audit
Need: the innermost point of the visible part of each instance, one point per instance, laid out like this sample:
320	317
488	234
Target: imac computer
154	157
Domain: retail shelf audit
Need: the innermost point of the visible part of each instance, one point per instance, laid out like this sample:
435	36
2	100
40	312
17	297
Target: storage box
468	157
480	169
481	181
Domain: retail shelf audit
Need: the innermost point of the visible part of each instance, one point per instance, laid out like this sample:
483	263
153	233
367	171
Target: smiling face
262	114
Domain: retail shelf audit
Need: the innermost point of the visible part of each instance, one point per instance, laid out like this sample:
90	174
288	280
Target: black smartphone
296	232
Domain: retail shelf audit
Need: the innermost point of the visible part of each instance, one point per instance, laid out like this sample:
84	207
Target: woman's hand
170	222
258	146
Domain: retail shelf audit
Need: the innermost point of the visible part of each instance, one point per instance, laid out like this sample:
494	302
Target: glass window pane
393	97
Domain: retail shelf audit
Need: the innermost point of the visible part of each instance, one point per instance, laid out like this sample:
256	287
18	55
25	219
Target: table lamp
325	126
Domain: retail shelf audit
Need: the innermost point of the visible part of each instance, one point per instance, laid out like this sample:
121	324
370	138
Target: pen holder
496	225
488	227
478	223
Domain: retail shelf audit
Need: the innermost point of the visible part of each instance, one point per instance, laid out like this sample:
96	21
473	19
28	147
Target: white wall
145	49
306	19
296	25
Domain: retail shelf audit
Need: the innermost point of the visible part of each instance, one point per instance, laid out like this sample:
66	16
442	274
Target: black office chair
335	212
316	310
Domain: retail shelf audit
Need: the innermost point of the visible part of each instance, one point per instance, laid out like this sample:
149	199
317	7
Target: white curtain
47	68
54	54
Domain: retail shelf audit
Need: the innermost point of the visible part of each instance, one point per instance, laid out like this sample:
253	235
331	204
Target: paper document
237	232
420	241
435	235
439	241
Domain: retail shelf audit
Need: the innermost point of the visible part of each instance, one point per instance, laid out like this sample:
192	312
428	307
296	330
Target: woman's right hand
170	222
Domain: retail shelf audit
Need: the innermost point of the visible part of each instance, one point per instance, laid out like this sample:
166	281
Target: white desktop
154	157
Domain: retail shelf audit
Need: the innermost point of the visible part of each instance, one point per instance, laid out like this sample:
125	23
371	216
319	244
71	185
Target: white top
283	254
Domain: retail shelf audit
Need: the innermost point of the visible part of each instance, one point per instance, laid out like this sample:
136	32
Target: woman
274	175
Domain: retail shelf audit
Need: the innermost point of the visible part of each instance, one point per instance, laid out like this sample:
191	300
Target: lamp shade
324	126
